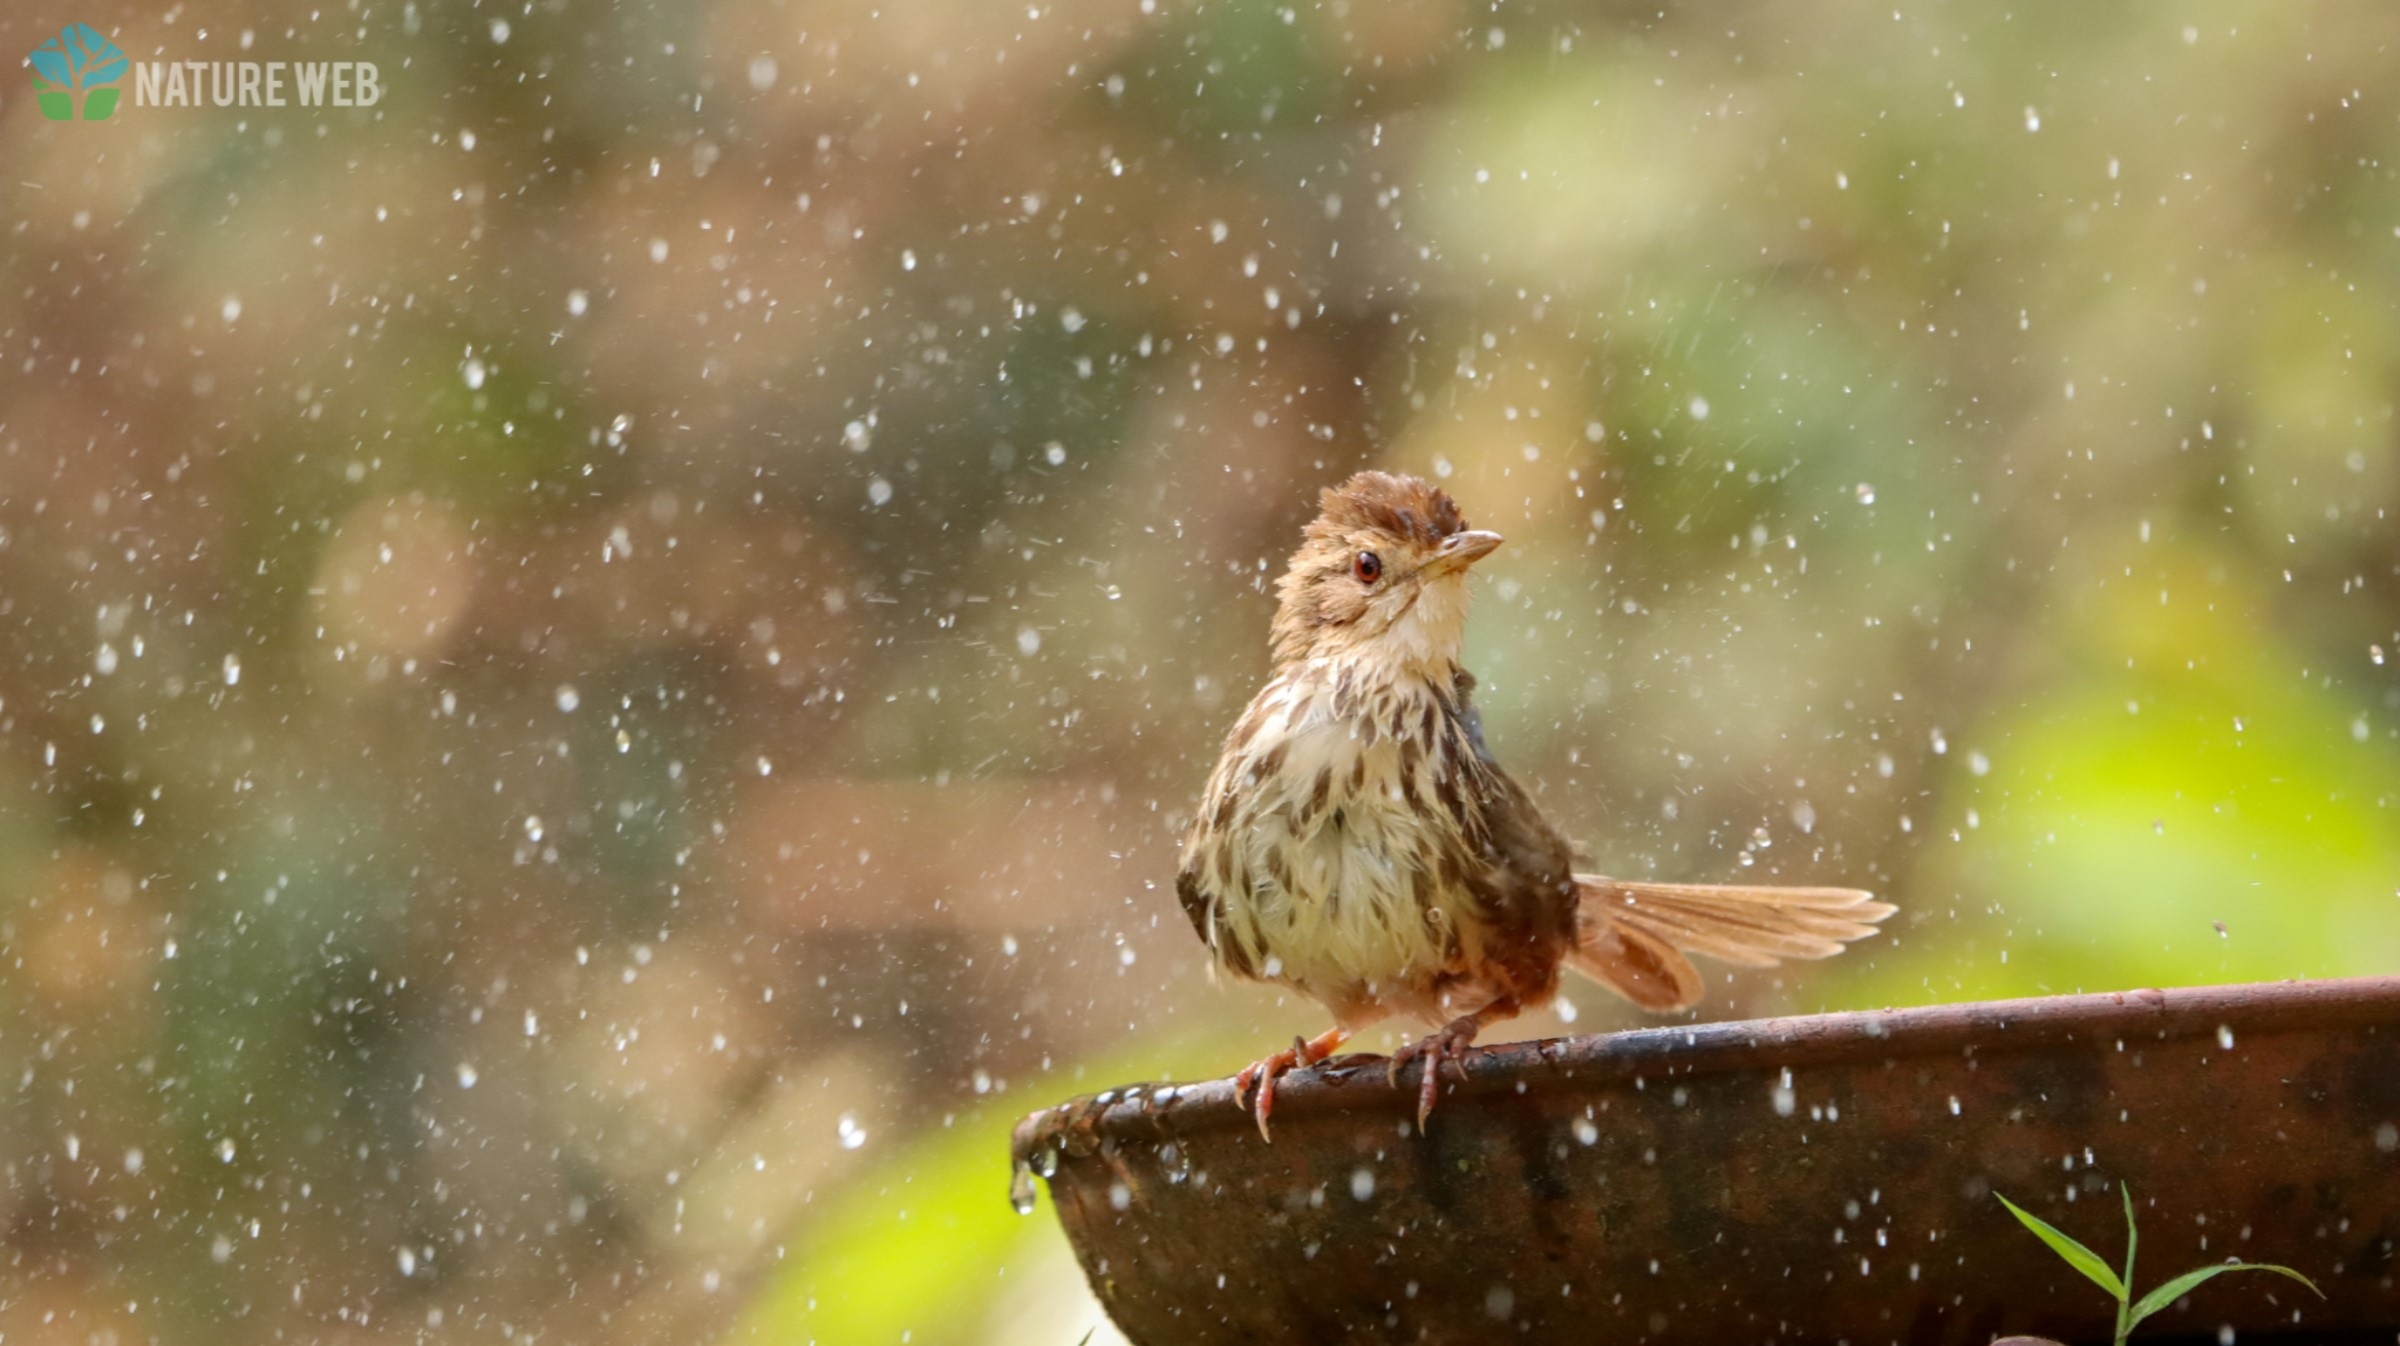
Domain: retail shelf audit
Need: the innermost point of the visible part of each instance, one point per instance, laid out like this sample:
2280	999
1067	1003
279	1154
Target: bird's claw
1446	1044
1262	1074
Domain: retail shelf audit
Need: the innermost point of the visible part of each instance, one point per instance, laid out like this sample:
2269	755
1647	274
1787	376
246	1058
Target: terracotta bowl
1829	1178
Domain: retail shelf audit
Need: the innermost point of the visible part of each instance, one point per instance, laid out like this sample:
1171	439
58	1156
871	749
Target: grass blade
2132	1235
2182	1285
2075	1254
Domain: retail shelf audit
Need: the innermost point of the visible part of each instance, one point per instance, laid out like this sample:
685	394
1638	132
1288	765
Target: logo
75	74
78	63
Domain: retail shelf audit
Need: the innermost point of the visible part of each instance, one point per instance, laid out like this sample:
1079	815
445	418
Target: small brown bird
1358	842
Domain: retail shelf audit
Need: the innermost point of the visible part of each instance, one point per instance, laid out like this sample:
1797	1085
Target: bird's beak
1460	550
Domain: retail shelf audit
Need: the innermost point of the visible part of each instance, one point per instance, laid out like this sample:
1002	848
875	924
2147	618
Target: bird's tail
1632	937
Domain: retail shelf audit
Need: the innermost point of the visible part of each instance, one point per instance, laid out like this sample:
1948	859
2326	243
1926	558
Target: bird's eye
1368	567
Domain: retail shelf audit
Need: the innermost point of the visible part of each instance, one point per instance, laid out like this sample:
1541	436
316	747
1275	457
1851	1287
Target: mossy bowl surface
1826	1178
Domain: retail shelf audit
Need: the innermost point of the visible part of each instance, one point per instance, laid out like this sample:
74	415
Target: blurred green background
601	664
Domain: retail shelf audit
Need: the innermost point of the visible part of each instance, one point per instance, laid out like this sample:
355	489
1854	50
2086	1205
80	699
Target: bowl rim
1595	1062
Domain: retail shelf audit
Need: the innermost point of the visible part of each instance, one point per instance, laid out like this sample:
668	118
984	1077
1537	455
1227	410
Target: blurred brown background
601	663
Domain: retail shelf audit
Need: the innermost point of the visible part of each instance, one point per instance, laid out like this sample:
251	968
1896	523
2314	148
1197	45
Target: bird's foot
1447	1043
1262	1073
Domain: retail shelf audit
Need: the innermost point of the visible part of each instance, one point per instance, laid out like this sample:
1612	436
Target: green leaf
2182	1285
2132	1235
2132	1239
2075	1254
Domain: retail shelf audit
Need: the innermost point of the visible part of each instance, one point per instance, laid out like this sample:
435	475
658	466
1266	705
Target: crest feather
1401	506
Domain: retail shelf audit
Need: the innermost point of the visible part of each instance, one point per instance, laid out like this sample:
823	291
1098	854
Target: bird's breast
1331	834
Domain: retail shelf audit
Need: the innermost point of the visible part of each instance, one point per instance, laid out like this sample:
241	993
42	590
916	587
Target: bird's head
1380	577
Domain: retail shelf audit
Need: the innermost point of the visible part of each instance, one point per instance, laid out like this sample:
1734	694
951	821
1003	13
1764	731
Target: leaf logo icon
79	61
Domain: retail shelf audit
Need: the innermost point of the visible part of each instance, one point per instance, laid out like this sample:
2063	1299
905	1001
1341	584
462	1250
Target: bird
1358	842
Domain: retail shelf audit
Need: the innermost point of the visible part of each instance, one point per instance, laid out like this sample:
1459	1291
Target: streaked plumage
1358	842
